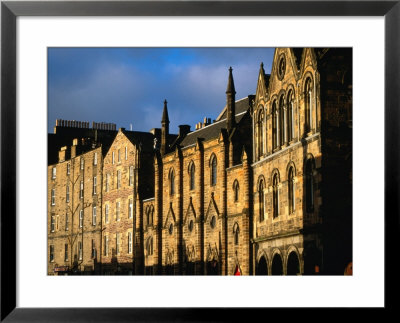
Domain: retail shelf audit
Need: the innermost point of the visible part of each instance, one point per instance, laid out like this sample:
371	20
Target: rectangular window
106	209
105	245
68	168
113	157
131	176
95	159
94	185
130	209
119	155
57	221
51	256
117	243
66	222
129	242
81	218
80	255
81	191
53	175
93	249
118	179
67	194
66	252
117	210
94	216
53	223
53	196
107	182
126	153
82	163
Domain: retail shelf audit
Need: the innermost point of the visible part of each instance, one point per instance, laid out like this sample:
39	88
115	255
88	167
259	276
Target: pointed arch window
308	105
236	232
172	182
275	196
310	185
275	126
290	116
261	200
236	190
260	133
282	119
291	190
213	170
192	176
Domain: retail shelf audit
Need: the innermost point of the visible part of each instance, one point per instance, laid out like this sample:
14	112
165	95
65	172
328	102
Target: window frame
214	172
94	215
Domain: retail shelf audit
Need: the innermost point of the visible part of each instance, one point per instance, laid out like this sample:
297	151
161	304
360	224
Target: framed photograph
47	41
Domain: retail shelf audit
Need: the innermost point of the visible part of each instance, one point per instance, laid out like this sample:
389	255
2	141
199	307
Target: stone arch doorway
293	264
277	266
262	267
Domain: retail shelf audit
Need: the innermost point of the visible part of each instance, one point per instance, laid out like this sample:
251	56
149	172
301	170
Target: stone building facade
74	209
264	189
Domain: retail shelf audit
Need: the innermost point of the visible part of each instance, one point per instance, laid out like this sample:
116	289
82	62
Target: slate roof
213	130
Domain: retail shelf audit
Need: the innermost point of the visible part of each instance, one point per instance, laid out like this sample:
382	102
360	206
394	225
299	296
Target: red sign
61	268
237	271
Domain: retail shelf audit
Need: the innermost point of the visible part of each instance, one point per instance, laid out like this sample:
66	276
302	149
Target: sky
128	86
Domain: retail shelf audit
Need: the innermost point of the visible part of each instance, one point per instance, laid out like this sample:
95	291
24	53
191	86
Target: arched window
308	105
291	190
192	177
151	213
309	185
213	170
236	190
275	196
260	133
150	246
172	182
275	126
290	116
261	200
236	234
282	119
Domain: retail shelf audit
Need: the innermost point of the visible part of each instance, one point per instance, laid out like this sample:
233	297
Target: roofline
224	109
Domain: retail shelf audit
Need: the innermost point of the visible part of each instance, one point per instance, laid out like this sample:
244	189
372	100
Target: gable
190	212
212	209
170	216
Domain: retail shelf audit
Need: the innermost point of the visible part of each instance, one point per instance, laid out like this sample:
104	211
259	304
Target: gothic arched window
291	190
290	116
236	232
275	195
192	177
282	119
213	170
260	133
309	185
172	182
275	126
308	105
236	190
261	200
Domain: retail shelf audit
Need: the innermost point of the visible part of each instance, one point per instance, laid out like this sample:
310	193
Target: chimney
73	147
61	154
184	130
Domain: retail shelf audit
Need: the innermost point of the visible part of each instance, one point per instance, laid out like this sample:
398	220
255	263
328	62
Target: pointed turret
164	129
230	102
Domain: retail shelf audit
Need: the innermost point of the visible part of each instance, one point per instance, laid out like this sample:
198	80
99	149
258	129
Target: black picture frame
10	10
